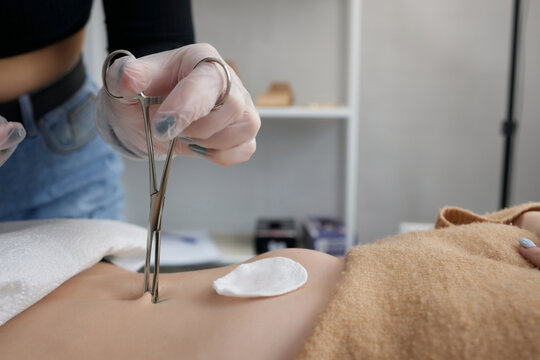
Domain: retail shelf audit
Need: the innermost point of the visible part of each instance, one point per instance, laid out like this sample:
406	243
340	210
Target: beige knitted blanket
461	291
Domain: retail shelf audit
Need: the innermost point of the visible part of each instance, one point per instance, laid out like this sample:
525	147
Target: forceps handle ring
150	100
221	100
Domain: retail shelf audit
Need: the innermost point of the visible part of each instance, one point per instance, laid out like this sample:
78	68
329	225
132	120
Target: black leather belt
49	97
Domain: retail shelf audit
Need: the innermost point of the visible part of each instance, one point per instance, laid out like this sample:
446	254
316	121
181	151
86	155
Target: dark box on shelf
273	234
325	234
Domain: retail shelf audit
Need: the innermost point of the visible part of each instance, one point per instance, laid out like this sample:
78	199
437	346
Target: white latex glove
11	134
225	136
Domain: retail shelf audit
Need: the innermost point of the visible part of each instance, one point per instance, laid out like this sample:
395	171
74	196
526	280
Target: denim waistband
43	100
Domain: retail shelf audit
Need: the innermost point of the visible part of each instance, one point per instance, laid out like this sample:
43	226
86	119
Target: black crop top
140	26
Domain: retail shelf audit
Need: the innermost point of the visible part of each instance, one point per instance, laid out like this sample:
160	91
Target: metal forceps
157	196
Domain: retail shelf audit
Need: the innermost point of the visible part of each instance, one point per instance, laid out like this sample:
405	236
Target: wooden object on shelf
279	94
319	105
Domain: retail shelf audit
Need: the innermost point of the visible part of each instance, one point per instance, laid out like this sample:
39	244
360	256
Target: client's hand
529	221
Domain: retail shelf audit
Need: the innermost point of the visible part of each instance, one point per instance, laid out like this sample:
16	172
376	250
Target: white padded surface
38	256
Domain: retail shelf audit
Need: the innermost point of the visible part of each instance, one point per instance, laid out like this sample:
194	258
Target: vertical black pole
509	125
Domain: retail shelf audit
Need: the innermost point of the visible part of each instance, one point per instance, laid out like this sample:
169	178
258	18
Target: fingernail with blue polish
185	139
164	125
526	243
197	149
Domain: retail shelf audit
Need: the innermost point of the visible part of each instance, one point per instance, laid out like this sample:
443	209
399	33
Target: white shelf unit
304	112
349	113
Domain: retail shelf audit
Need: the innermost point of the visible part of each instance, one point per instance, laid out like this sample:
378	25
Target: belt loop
27	115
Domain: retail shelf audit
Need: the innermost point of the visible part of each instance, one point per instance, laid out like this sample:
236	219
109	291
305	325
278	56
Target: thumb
127	77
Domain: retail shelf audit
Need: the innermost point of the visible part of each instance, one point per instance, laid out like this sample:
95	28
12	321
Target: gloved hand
225	136
11	134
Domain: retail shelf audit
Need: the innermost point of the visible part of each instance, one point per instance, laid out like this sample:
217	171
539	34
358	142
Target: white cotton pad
266	277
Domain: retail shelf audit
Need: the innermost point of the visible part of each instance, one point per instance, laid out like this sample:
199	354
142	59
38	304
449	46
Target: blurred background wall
433	97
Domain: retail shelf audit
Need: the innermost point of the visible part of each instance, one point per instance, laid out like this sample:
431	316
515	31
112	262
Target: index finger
191	99
529	251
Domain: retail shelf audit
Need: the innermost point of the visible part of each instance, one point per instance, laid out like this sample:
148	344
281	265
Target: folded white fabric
266	277
38	256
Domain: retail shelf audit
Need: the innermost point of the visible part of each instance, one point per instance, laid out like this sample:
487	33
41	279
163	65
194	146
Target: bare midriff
101	313
27	72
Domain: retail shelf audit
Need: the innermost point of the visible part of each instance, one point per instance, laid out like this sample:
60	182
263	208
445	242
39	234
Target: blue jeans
63	168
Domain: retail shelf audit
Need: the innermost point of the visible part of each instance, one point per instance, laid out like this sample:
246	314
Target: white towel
38	256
